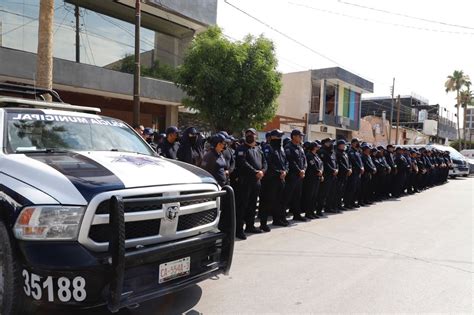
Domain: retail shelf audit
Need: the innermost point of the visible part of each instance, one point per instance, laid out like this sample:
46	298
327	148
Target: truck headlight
49	223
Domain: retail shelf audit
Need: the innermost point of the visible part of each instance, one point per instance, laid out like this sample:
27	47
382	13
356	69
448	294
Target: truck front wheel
11	294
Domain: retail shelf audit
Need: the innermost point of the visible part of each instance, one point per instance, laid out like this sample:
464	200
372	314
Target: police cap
148	131
296	132
326	140
172	129
276	133
251	130
217	138
365	146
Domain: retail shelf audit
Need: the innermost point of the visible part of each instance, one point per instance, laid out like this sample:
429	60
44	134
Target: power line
32	19
295	40
405	15
62	22
378	21
283	34
87	38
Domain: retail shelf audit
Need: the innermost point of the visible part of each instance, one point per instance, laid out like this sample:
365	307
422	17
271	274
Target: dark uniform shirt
368	164
329	160
343	163
381	165
215	164
169	150
390	161
402	163
315	166
296	158
276	160
191	154
356	160
229	158
249	160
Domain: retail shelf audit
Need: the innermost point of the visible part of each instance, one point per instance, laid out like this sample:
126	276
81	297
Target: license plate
174	269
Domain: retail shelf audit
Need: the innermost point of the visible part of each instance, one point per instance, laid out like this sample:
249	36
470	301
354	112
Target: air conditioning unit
323	129
346	121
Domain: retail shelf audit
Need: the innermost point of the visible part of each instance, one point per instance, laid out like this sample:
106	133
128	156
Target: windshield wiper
45	150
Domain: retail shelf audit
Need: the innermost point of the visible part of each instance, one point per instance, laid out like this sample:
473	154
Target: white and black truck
90	215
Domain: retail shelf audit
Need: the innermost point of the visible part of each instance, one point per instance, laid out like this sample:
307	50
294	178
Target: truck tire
11	292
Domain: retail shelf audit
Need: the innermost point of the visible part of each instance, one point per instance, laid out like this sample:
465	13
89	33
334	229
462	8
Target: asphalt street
411	255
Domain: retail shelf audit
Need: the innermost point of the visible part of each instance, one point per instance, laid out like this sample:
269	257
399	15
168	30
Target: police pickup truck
90	215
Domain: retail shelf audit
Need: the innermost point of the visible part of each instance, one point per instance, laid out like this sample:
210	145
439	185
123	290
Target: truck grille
147	220
189	221
101	233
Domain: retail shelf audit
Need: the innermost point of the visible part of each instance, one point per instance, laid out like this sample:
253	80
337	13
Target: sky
358	36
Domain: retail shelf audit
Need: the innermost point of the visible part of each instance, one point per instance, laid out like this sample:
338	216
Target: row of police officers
307	180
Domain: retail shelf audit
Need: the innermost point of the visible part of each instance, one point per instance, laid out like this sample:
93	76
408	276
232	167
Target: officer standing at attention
170	146
390	178
251	167
353	182
345	170
328	186
229	152
402	167
366	180
294	180
273	183
213	161
191	149
312	180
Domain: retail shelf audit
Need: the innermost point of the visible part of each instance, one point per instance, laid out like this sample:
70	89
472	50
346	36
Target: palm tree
455	82
467	98
44	62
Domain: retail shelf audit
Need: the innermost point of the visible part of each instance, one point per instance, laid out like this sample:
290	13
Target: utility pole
439	124
136	76
391	113
78	40
1	32
44	60
398	119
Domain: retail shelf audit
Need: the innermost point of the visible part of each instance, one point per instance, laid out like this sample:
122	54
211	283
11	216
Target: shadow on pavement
181	302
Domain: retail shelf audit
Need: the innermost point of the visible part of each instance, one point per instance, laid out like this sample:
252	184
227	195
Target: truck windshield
37	131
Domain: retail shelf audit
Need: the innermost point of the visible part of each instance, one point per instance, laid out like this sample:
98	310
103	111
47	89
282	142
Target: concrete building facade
415	113
106	36
323	103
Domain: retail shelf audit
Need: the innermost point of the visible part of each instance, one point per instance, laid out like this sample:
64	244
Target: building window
315	97
330	100
104	40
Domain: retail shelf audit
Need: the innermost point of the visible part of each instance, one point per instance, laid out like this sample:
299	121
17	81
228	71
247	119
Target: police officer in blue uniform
328	186
390	178
366	180
213	161
312	181
353	183
191	149
402	167
294	180
170	145
273	183
345	170
251	167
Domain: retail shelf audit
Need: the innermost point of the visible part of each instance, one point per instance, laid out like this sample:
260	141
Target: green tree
455	82
233	85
